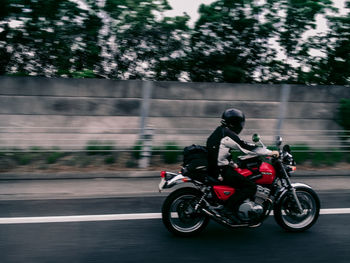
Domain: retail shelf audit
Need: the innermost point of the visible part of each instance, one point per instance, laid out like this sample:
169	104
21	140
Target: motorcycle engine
262	194
250	210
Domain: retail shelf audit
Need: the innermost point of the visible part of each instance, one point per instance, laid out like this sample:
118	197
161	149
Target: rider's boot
231	216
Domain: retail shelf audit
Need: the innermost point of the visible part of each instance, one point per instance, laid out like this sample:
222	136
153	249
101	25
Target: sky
188	6
191	8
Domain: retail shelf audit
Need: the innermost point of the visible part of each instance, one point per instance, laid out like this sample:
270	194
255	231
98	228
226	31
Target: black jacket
219	145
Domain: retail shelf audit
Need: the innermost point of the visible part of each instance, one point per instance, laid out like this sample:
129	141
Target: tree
230	42
296	17
146	44
338	58
7	11
333	67
50	38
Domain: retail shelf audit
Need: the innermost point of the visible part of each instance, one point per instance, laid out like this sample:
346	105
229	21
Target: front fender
284	190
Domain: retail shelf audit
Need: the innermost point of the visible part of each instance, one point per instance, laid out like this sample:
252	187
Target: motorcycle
187	210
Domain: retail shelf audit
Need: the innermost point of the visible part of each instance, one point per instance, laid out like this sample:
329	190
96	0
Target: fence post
146	133
146	151
283	107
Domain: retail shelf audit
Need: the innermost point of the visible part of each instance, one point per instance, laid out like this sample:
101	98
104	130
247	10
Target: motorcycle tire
179	215
287	214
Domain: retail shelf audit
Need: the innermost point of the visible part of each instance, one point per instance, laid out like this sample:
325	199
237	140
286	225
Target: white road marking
80	218
335	211
117	217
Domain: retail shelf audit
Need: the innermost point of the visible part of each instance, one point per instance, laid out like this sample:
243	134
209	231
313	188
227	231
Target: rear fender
172	179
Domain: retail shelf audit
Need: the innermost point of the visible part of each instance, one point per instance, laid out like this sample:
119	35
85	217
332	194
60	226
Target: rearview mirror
286	148
256	137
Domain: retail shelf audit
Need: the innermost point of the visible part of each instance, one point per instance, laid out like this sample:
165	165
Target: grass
110	159
23	158
99	147
301	153
136	150
327	158
101	154
171	153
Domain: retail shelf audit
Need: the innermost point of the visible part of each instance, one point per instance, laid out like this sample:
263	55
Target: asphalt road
146	240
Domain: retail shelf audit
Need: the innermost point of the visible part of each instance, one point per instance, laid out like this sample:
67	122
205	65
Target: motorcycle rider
220	144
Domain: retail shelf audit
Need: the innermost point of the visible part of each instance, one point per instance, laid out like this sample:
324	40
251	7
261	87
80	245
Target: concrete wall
69	112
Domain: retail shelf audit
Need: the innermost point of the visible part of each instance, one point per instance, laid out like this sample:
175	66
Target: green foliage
110	159
301	153
51	38
344	114
145	36
23	158
301	16
85	161
230	42
326	158
131	164
334	66
99	147
136	150
172	152
84	74
53	157
36	149
347	157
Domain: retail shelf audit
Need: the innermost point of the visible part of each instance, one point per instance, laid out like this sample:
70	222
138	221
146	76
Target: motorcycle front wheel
288	216
179	215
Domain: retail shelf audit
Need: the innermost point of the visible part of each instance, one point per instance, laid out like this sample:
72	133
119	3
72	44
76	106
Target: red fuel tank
244	172
266	170
268	174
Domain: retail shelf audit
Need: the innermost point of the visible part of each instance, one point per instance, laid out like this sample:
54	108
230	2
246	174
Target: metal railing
14	139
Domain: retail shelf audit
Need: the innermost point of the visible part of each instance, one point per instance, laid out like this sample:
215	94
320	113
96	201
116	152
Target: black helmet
233	119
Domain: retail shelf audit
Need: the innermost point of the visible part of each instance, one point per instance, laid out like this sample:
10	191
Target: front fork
301	211
292	189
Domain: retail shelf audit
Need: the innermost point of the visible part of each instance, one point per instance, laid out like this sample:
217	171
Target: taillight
163	174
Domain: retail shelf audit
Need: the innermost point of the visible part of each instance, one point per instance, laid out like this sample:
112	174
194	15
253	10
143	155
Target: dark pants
244	187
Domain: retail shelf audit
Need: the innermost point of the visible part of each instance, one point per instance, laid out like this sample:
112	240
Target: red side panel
244	172
268	172
223	192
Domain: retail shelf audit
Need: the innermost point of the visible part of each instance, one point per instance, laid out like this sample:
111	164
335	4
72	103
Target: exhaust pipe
218	218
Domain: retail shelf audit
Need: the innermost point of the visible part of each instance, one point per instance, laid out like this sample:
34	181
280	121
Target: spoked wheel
288	216
179	214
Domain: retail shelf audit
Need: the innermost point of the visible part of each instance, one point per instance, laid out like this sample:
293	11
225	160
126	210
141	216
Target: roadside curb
316	173
139	174
79	175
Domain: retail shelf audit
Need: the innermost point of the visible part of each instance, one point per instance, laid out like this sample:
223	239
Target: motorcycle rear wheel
179	215
287	214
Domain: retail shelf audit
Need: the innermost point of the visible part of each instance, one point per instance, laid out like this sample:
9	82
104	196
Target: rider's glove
275	154
232	164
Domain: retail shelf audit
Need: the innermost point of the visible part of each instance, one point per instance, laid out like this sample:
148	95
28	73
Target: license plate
161	184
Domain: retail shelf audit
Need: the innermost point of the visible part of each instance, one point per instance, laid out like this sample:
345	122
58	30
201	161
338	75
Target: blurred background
118	84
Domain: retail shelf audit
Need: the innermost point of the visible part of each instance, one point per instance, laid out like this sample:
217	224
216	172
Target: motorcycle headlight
291	168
